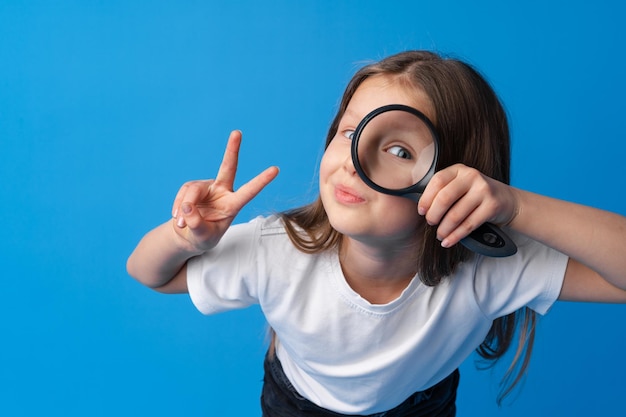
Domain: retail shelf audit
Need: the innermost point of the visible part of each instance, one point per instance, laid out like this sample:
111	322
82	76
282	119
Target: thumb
188	216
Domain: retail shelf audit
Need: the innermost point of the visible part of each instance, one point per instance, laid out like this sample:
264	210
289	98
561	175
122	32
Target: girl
372	302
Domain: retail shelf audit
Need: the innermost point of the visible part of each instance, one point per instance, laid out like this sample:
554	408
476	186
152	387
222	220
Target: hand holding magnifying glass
395	151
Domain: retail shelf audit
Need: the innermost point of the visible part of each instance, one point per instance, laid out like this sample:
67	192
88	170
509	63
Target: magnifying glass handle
490	240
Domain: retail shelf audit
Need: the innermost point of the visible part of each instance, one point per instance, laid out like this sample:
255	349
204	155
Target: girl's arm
458	199
595	241
159	260
202	212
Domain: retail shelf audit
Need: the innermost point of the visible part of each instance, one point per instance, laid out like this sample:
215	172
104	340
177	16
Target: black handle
490	240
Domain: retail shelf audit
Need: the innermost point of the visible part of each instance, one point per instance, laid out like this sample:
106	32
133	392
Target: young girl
372	301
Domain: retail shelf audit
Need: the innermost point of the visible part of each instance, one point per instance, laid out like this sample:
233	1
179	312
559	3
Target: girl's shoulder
259	227
272	225
263	232
532	277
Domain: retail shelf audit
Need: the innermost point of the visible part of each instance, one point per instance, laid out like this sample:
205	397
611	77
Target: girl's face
354	209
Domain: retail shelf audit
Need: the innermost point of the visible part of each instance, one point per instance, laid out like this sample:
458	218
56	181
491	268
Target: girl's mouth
347	195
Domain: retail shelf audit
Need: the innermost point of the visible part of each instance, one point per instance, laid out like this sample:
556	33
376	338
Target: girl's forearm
158	257
593	237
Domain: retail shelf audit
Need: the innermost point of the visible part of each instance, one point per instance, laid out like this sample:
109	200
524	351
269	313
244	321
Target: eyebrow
350	113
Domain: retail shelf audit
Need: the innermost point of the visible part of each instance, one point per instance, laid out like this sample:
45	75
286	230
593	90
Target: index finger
228	168
436	184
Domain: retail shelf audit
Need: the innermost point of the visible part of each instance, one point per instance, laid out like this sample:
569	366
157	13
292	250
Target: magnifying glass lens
396	149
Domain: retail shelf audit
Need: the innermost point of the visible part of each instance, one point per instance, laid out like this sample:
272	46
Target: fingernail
445	243
421	211
175	214
186	208
180	222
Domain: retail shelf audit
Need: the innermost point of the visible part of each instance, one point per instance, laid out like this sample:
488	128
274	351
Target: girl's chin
358	230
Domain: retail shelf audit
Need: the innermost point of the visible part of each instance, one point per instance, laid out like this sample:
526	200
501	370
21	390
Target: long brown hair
473	129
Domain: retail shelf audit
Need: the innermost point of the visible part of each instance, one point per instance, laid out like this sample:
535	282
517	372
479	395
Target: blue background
107	107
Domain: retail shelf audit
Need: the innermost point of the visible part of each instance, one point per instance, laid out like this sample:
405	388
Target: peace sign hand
203	210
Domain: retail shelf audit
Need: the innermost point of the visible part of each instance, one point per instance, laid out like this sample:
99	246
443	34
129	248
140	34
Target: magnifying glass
395	150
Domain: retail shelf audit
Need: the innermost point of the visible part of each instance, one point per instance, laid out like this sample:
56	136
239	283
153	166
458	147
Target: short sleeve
533	278
224	278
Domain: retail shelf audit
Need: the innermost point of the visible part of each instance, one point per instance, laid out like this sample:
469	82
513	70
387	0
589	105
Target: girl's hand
203	210
459	199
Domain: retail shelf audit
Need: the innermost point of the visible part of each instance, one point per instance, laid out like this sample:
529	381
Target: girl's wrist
182	245
517	207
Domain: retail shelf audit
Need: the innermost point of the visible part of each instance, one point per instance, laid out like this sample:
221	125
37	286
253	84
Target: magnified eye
400	152
349	134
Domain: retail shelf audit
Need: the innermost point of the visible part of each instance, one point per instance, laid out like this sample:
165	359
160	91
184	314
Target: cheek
328	164
324	168
400	211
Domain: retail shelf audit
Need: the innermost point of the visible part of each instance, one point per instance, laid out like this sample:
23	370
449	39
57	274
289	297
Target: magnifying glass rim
417	188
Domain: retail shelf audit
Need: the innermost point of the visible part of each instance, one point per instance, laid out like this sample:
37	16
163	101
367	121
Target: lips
347	195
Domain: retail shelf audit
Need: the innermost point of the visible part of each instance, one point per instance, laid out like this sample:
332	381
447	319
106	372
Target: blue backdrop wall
106	108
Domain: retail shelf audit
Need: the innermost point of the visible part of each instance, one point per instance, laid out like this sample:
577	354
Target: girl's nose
348	165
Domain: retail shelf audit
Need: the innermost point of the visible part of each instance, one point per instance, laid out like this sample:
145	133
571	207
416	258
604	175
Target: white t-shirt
350	356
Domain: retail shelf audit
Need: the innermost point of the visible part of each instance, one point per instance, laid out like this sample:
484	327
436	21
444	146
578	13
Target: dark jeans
280	399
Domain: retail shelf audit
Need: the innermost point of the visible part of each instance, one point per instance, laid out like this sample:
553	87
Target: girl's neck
377	273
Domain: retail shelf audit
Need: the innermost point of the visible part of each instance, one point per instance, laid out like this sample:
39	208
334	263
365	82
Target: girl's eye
400	152
349	134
